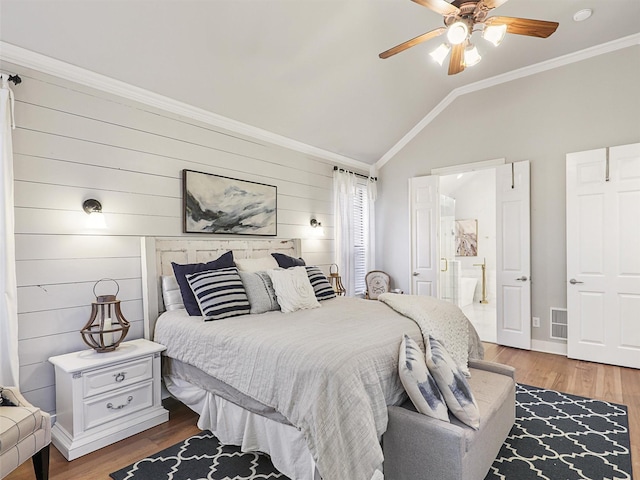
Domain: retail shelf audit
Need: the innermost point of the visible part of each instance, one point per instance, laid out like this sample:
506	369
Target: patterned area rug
564	437
556	437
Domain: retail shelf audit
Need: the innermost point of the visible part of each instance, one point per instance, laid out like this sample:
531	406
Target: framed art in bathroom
467	238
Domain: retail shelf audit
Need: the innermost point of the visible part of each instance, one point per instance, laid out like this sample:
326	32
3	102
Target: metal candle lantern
336	281
106	327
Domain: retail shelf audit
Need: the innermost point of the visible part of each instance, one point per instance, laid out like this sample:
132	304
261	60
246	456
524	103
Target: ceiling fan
461	19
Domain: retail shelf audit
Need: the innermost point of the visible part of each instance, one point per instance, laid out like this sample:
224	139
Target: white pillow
293	289
418	382
171	294
256	264
452	383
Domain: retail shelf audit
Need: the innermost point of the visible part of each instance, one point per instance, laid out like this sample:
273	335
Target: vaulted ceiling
307	70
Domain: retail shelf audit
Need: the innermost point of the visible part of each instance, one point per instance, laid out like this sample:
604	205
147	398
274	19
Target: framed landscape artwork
467	238
216	204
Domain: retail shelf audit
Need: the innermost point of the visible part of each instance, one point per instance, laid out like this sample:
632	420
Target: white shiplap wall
72	143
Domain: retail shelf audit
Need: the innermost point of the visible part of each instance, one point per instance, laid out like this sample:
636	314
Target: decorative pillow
220	293
171	296
256	264
320	284
293	289
259	288
285	261
452	383
418	382
180	271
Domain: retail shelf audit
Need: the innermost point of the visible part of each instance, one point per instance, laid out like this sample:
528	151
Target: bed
310	388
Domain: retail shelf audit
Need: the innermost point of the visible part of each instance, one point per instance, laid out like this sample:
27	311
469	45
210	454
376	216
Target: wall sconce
317	229
93	208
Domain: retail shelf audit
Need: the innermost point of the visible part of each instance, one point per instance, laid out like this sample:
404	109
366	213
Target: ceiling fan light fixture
494	33
440	53
457	33
471	56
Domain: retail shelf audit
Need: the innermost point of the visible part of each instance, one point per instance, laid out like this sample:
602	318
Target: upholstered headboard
158	253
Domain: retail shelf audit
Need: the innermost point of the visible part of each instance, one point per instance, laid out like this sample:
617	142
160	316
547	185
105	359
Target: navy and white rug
564	437
201	457
556	437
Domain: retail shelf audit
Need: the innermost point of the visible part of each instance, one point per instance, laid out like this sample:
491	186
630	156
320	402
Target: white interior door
424	206
603	263
513	276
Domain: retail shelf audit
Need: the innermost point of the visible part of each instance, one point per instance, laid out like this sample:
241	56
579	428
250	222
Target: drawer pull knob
120	376
111	407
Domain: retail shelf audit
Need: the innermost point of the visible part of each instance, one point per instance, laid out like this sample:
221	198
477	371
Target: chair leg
41	463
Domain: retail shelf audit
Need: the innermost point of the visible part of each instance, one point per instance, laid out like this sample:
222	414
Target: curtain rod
12	78
375	179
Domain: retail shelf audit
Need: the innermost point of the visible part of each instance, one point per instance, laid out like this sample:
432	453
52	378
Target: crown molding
51	66
578	56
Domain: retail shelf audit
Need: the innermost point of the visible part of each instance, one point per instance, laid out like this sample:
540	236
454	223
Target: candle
107	337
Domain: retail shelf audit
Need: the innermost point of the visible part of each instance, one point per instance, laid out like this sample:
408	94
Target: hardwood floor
603	382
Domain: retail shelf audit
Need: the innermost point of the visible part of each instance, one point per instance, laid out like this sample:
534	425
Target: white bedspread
443	320
330	371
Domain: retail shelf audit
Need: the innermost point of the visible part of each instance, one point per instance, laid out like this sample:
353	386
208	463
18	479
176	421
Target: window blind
361	227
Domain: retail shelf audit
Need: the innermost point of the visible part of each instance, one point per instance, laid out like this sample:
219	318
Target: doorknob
573	281
415	274
522	278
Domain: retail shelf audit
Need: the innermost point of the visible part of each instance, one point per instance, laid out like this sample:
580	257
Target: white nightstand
102	398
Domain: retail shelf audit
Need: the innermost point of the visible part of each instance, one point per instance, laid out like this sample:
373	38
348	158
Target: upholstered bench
419	447
25	432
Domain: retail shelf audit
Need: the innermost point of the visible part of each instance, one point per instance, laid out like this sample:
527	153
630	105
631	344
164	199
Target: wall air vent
558	323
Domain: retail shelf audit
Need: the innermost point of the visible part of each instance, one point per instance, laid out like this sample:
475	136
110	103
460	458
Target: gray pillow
260	291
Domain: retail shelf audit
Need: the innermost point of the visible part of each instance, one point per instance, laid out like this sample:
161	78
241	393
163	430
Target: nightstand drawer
116	376
109	407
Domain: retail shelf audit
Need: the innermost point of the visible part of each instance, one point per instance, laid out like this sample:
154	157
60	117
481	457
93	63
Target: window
354	197
360	236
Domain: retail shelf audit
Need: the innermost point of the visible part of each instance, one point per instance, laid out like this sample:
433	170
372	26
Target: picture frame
229	206
467	238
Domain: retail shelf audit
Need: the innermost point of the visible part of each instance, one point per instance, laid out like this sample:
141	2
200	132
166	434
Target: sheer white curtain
372	191
354	228
8	284
344	188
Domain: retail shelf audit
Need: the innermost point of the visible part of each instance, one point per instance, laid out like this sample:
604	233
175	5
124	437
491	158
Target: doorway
512	247
468	247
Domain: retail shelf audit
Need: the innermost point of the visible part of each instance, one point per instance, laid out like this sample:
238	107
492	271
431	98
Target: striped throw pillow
219	293
320	284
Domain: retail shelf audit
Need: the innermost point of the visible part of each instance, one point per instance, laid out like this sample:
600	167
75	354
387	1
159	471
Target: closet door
603	258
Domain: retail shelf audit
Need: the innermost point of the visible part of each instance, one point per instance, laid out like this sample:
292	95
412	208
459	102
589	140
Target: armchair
25	432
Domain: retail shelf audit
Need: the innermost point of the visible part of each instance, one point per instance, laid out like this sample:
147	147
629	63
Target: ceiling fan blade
489	4
525	26
456	63
439	6
414	41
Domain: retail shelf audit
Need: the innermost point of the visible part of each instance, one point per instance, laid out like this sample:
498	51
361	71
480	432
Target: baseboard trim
549	347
